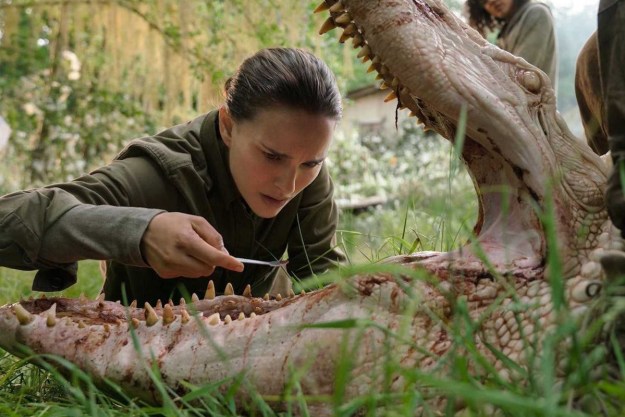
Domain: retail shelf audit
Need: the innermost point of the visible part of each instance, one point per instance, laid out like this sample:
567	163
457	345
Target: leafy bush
430	202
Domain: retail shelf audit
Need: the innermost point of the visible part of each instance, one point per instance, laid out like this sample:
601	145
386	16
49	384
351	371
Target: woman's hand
178	244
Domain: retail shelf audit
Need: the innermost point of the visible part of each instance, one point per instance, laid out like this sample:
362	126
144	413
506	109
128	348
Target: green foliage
423	183
64	122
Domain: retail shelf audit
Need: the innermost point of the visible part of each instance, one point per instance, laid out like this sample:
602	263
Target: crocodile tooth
364	52
279	297
135	323
150	315
291	294
375	62
337	7
327	26
247	292
214	319
168	314
343	38
266	297
81	324
194	298
159	304
358	40
51	316
302	292
241	316
229	290
343	19
252	315
100	298
322	7
23	316
184	316
395	83
133	304
107	328
227	319
42	297
383	85
82	298
391	96
210	291
182	301
350	29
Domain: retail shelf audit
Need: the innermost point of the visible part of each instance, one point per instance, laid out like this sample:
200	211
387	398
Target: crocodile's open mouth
512	145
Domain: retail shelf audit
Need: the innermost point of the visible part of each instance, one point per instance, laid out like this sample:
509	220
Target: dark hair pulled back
481	20
287	77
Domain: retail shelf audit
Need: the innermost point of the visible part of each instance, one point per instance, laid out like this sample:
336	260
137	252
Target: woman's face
501	9
275	155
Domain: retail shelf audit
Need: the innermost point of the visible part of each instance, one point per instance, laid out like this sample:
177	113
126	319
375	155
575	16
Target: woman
245	180
525	29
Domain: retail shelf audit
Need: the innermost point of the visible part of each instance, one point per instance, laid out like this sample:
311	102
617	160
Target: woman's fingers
178	244
220	256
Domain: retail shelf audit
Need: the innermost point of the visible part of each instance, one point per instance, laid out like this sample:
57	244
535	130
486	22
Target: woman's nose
286	182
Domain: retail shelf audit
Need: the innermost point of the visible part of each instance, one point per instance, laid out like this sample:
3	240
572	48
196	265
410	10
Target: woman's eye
271	156
312	164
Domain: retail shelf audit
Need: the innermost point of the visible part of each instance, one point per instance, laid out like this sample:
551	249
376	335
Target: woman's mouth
276	202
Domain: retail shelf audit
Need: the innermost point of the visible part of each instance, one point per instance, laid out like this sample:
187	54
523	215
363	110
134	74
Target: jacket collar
217	156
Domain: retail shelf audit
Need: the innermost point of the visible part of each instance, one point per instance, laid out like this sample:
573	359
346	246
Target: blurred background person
523	27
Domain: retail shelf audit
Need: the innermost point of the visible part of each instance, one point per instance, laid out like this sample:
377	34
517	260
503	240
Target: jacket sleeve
312	243
98	216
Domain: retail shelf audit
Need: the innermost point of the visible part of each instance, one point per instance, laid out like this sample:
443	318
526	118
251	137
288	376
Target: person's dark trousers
611	43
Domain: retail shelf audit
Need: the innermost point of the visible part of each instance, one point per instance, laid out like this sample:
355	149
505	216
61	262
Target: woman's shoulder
537	9
533	15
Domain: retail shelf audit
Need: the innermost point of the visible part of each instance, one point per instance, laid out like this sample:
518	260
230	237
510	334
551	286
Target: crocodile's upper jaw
525	162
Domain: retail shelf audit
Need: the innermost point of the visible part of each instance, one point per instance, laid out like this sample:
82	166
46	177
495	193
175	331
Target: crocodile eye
586	291
531	81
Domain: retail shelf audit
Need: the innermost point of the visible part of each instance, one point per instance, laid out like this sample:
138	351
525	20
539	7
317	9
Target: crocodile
541	233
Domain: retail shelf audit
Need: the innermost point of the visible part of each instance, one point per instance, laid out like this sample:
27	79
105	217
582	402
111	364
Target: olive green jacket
530	34
104	214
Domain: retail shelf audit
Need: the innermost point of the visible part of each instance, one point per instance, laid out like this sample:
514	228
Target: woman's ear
225	125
